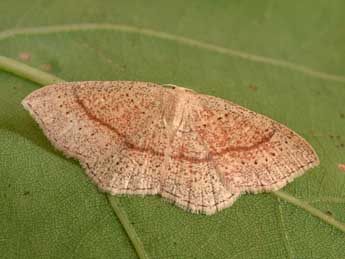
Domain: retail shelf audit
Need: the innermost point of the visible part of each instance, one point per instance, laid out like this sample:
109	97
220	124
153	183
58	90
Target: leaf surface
283	60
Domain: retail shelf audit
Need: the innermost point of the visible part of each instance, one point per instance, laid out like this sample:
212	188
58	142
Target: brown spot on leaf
46	67
252	87
25	56
329	213
341	167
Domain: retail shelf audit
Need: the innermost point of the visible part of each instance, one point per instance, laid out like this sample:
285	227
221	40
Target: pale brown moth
198	151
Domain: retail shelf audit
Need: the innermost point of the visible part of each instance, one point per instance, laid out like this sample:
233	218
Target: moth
198	151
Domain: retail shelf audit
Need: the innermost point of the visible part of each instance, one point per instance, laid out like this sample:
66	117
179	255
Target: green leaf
284	60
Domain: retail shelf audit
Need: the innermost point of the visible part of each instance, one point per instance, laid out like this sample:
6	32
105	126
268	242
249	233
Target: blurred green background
284	59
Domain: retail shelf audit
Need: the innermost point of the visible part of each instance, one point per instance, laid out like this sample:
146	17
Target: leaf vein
176	38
